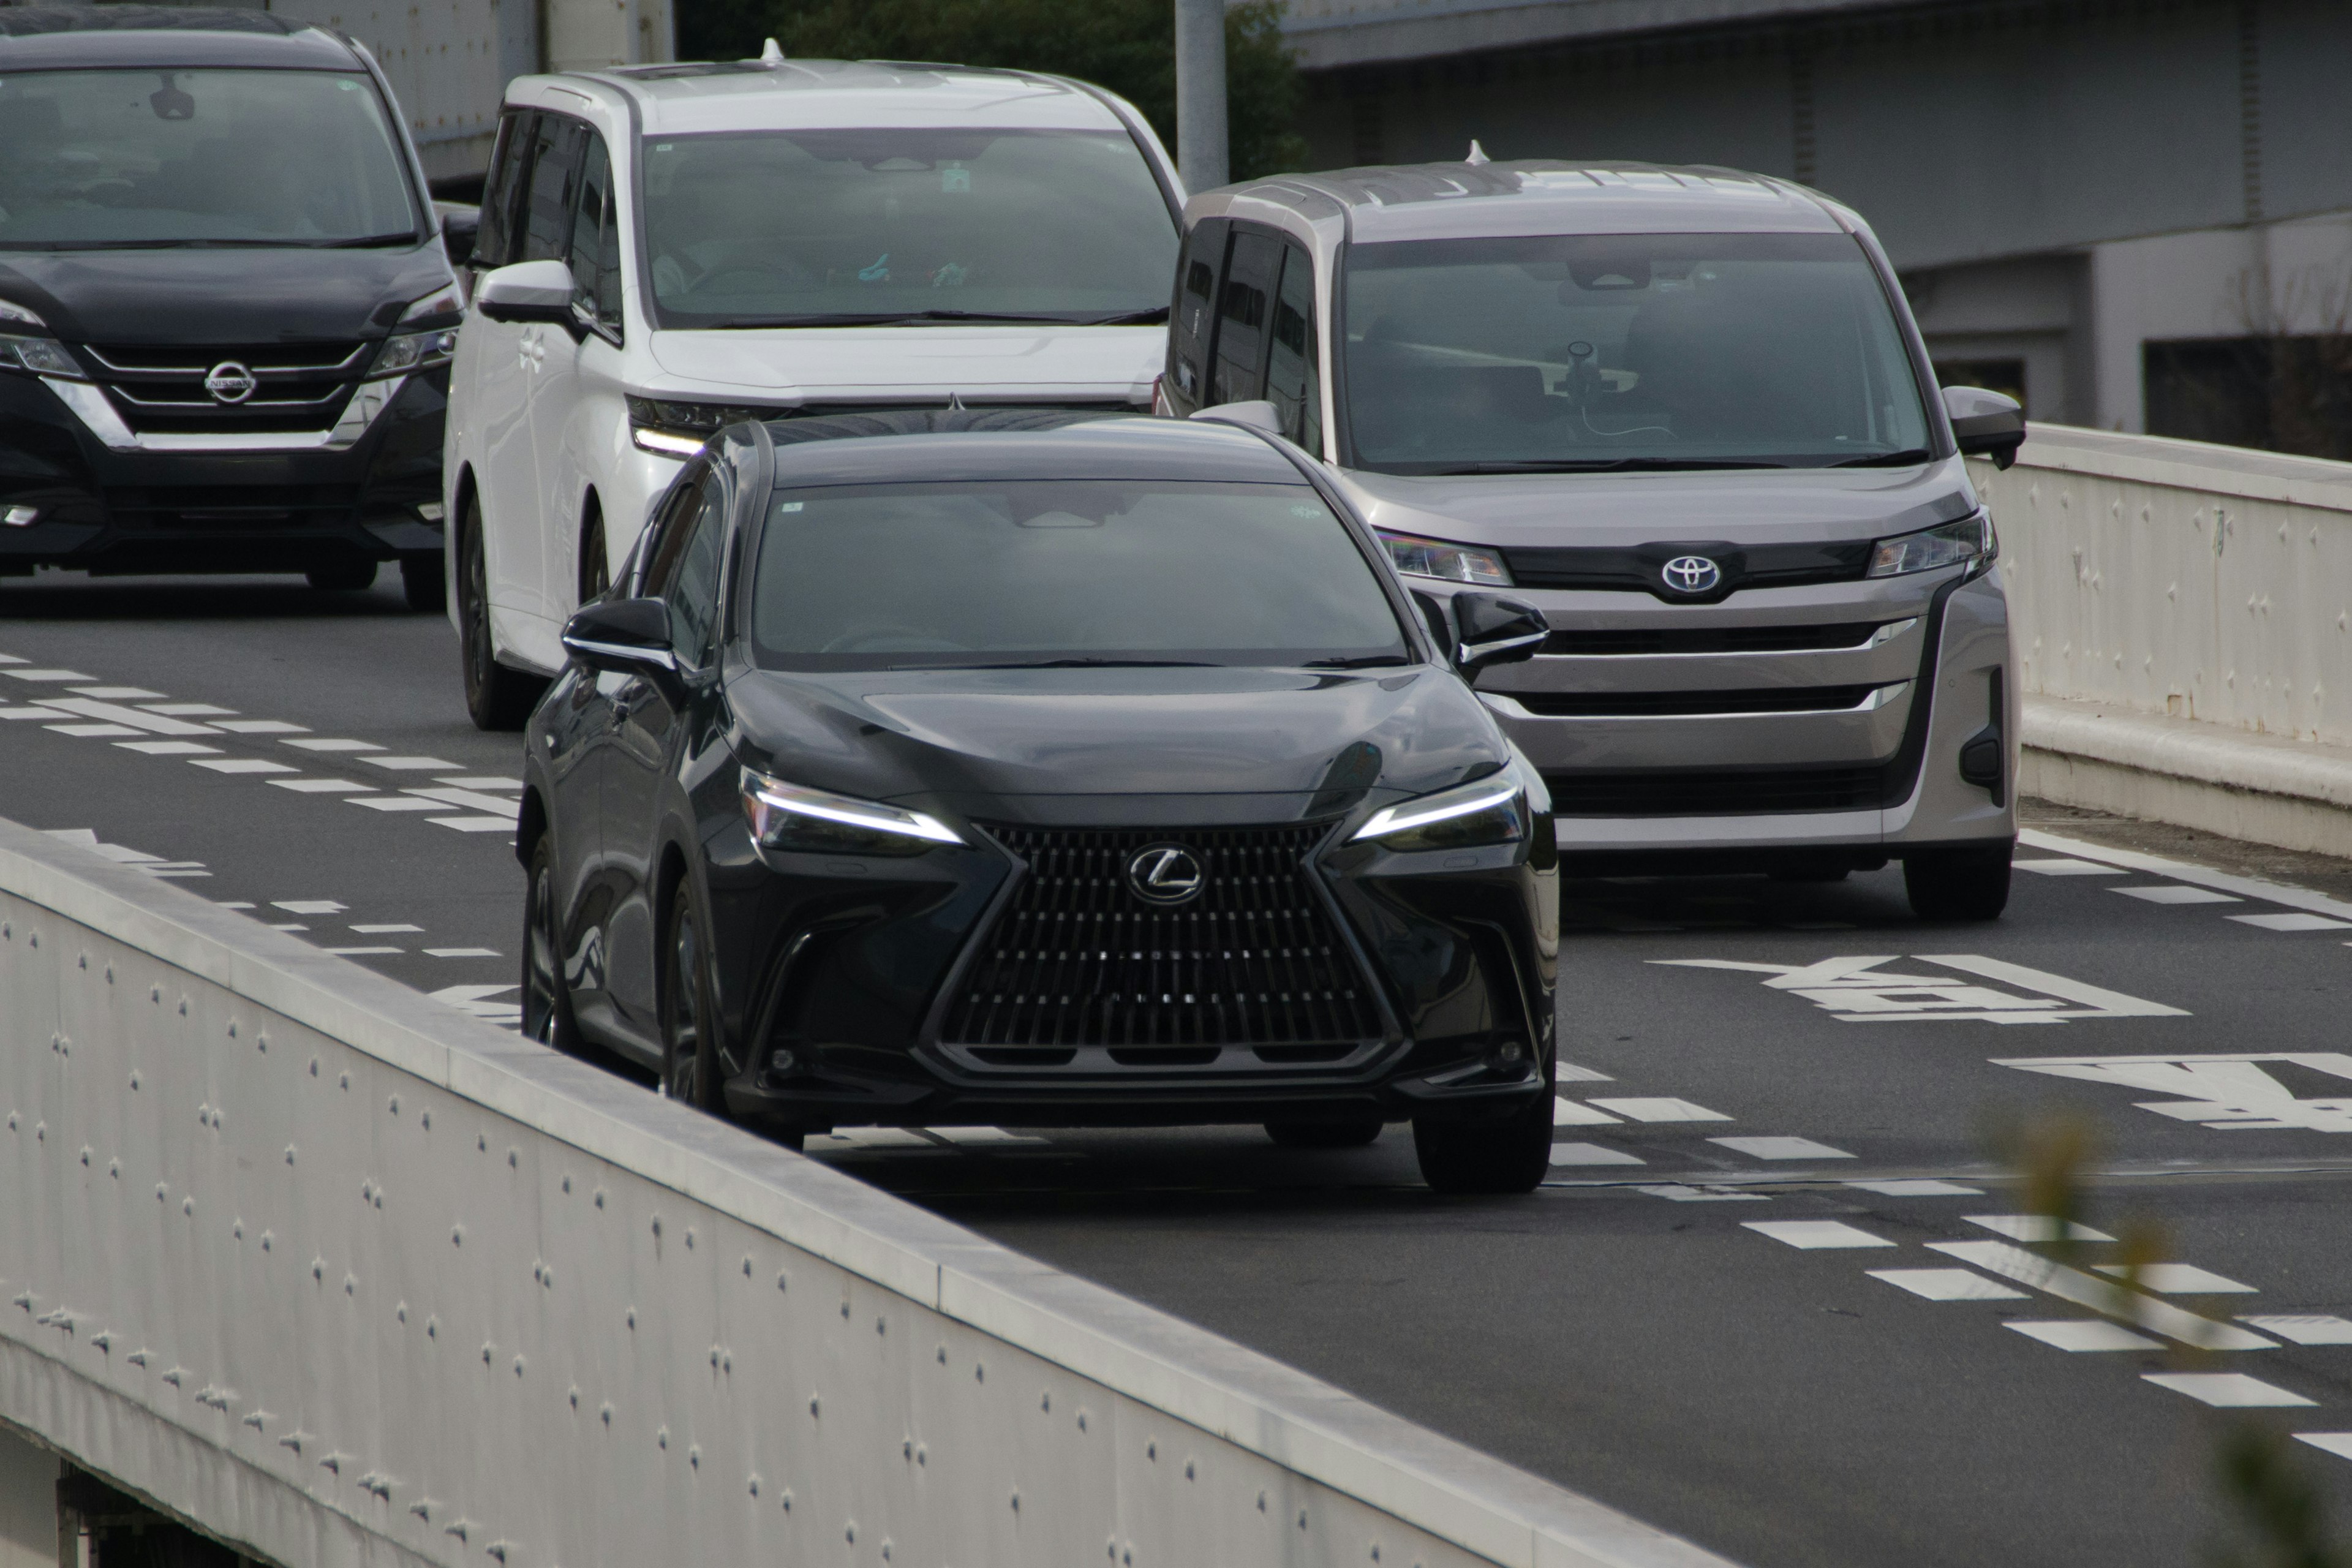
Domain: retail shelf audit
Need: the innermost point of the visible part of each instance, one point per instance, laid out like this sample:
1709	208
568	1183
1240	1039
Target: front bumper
109	501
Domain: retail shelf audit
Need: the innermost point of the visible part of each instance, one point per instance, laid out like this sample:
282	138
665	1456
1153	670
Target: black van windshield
914	226
1063	573
94	160
1616	352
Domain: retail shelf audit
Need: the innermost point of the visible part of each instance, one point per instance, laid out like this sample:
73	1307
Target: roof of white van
751	95
1538	196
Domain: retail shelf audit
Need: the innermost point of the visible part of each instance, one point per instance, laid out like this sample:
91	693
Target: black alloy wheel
546	1001
425	583
1352	1132
497	698
1508	1155
595	571
349	578
1970	884
690	1058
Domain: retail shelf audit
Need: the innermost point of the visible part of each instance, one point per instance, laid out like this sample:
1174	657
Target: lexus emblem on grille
1165	874
230	382
1690	574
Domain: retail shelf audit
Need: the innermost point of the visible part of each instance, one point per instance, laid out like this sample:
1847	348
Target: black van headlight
414	352
1970	540
1493	810
794	817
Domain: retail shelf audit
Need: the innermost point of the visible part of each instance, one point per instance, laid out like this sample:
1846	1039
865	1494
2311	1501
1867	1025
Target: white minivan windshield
839	227
97	160
1559	353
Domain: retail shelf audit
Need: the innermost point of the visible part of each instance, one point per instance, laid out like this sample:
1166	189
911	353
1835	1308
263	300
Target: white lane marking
170	748
2034	1227
1947	1284
1810	1234
409	765
2176	1279
137	859
358	951
2336	1443
1679	1193
392	802
1566	1113
258	727
2032	1270
2199	876
174	871
38	711
2218	1091
318	787
2227	1390
982	1137
475	823
137	718
865	1138
2302	1328
460	951
116	693
1919	1188
1655	1109
2066	867
384	930
58	677
474	999
225	904
290	927
1569	1072
472	799
2178	895
1593	1154
189	709
12	659
2297	921
307	906
92	732
2084	1334
242	765
1782	1149
1855	990
323	743
467	781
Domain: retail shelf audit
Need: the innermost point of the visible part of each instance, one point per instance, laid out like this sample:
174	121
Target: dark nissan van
225	308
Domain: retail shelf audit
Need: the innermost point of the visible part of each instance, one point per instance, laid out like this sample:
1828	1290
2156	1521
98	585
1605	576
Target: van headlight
413	351
1417	557
42	357
1493	810
1969	541
680	429
801	820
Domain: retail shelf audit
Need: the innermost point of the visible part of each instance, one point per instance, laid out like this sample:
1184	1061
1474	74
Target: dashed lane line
2184	871
2083	1334
2032	1269
2227	1390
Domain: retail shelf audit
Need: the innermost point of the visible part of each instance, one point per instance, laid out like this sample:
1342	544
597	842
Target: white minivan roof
791	95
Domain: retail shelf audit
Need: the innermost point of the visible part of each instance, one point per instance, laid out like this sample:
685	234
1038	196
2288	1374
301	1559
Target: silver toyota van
1686	414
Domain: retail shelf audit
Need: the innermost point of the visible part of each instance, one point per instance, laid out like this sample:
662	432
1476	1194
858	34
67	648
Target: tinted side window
495	245
685	570
595	244
1294	383
555	182
1194	318
1243	308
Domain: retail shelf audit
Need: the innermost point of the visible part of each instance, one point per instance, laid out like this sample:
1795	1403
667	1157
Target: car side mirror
1985	424
1495	630
527	291
627	636
1257	414
459	225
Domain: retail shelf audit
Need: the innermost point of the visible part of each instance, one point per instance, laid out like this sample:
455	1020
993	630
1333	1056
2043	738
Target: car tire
1958	884
1353	1132
350	578
547	1014
689	1017
1509	1155
425	583
496	697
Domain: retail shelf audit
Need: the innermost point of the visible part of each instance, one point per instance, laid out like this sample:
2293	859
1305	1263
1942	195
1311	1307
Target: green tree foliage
1126	46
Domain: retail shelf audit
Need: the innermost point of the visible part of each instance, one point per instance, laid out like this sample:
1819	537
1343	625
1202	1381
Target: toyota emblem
230	382
1165	874
1690	574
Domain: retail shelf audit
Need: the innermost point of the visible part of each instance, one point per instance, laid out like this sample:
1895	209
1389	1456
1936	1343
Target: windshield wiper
1602	466
1356	661
1094	664
365	241
1902	458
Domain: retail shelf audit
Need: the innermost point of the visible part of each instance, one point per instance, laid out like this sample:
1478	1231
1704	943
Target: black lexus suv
1044	769
225	306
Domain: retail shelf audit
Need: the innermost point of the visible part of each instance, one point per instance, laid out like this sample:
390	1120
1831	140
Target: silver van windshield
834	228
1614	351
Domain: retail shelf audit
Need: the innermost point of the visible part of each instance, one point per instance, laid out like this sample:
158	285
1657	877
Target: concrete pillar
28	1505
1201	147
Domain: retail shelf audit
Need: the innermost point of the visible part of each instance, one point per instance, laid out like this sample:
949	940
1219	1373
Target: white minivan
667	249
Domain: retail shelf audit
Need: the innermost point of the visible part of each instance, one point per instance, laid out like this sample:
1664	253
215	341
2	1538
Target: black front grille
1077	960
1711	639
1669	704
1717	793
160	387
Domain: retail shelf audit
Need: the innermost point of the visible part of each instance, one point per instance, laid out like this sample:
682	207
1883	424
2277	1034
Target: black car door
648	731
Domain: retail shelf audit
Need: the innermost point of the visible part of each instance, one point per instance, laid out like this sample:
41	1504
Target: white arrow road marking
2032	1270
1857	991
2215	1090
475	999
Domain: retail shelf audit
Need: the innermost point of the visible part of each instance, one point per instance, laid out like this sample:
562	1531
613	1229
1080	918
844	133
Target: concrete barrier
344	1279
2183	617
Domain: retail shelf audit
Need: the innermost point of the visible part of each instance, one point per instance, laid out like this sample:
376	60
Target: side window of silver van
1294	383
1243	309
1194	322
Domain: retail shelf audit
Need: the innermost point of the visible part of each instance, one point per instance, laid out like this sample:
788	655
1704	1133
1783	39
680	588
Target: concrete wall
28	1504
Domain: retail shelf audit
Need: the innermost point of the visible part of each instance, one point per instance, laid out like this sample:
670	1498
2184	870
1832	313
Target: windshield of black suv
96	160
1649	351
838	227
1064	573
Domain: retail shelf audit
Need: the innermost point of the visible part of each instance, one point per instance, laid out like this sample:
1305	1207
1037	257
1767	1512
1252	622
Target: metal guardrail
340	1277
2177	578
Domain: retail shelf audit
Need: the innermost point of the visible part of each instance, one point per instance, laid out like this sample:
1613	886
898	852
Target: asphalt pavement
1782	1293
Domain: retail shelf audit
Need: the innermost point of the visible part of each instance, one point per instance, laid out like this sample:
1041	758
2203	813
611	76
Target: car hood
228	296
1741	506
1120	745
869	364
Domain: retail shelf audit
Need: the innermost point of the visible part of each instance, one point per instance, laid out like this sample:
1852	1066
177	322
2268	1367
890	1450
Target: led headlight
414	351
680	429
442	301
812	821
1969	541
1450	563
42	357
1493	810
